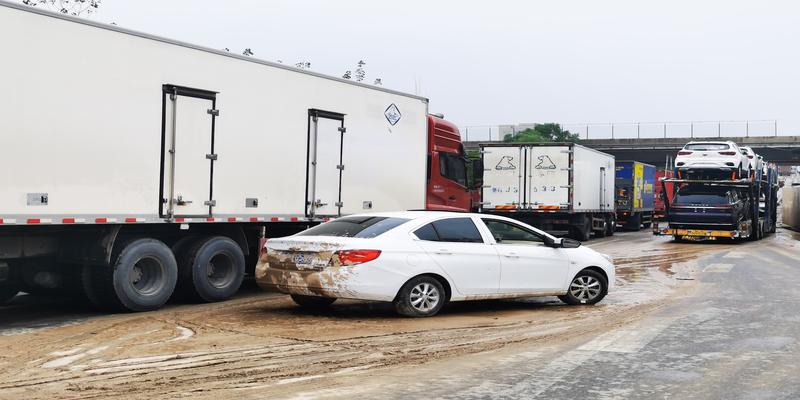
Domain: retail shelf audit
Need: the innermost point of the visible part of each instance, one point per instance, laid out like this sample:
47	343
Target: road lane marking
630	339
717	267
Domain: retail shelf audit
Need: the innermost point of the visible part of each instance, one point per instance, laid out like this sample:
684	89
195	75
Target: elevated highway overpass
782	150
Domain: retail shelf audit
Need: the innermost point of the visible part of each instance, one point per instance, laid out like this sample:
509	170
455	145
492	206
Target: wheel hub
585	288
424	297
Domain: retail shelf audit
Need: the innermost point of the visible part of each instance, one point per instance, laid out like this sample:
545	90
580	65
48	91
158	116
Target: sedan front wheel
588	287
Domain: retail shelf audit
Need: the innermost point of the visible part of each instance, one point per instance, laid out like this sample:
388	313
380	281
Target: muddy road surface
261	345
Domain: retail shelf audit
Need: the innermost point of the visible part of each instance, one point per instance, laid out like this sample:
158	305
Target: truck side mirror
477	174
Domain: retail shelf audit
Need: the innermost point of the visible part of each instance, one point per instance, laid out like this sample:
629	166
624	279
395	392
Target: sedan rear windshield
711	199
707	146
359	227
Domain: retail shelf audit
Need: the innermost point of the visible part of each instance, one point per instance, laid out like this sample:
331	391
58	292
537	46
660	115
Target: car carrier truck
136	166
707	205
634	187
562	188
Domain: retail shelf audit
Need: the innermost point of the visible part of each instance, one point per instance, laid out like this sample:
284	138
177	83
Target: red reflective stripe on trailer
294	219
179	219
1	221
210	219
231	219
34	220
274	219
68	220
253	219
101	220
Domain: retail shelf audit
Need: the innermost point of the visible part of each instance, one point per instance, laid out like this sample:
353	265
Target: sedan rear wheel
588	287
422	296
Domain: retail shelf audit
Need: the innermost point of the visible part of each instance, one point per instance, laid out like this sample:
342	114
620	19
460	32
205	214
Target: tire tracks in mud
256	365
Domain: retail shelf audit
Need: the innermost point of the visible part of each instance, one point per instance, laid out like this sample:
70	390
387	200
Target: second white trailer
563	188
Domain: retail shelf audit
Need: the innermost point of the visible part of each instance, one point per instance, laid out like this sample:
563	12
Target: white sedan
713	155
420	260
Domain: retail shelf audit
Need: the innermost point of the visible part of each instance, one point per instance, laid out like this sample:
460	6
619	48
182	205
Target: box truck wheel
8	290
611	225
603	231
634	222
141	277
583	229
210	269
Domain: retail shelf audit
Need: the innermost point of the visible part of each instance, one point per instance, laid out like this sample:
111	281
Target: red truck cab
453	180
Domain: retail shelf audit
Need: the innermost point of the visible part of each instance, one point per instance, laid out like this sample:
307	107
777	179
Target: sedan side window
508	233
461	230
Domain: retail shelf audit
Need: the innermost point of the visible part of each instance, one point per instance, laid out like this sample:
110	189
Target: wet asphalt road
736	335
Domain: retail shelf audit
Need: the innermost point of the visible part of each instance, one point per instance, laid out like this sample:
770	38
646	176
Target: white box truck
562	188
134	164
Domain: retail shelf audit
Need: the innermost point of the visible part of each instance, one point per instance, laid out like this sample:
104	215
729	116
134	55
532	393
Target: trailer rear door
325	164
189	151
503	176
548	177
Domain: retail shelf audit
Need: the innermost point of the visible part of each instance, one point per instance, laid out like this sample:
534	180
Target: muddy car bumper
363	282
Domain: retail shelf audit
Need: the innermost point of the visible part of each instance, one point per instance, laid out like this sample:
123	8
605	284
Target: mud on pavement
261	344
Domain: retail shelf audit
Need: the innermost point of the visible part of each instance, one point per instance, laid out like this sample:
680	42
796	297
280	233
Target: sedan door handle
444	252
511	255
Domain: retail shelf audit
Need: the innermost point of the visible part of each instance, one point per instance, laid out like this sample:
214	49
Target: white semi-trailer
562	188
133	163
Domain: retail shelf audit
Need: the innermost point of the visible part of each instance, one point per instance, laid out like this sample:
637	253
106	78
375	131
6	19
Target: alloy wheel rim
424	297
585	288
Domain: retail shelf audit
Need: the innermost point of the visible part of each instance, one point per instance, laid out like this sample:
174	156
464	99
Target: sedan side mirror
568	243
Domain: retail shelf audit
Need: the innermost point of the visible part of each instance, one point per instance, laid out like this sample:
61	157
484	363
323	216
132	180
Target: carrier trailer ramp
634	186
562	188
705	207
165	166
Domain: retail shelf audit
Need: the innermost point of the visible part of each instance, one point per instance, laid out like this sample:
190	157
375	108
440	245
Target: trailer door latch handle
213	112
181	202
212	157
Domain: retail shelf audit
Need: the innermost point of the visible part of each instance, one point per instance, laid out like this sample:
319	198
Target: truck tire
142	277
422	296
601	233
587	287
634	223
313	302
210	269
8	290
583	230
611	226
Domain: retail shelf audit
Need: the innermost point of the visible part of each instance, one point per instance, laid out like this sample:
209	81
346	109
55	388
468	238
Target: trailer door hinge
342	129
213	112
567	151
211	203
212	157
567	169
566	186
339	204
340	167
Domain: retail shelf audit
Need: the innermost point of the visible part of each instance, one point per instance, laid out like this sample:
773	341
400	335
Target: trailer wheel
8	290
141	278
211	269
583	230
634	223
611	225
603	231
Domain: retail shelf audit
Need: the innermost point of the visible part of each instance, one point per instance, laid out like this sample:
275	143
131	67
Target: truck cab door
448	186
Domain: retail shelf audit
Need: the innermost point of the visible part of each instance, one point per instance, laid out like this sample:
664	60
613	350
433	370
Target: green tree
542	133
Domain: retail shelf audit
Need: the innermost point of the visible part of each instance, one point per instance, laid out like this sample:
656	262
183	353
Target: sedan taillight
355	257
684	153
728	153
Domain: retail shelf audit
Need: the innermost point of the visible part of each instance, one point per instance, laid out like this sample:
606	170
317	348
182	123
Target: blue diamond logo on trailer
392	114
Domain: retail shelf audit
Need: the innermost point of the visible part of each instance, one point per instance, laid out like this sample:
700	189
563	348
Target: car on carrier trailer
164	171
705	206
561	188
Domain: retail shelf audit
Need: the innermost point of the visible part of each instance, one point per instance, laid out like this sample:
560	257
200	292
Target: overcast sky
494	62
